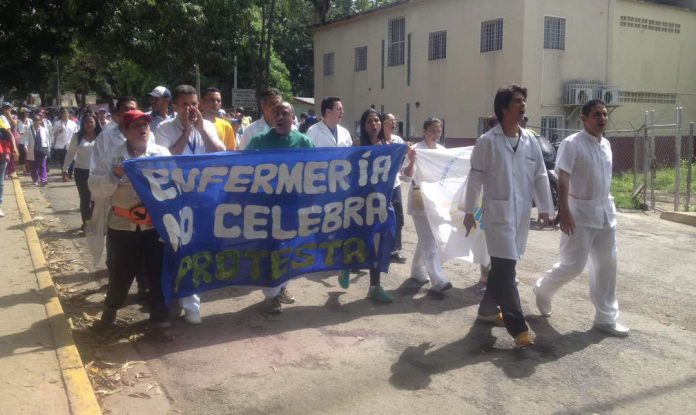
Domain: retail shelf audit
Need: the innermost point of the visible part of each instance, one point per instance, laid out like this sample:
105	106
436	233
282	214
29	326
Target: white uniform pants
191	304
599	246
426	259
270	292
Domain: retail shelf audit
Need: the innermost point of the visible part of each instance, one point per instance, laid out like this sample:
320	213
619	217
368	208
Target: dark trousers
374	277
129	253
59	156
399	211
81	176
502	291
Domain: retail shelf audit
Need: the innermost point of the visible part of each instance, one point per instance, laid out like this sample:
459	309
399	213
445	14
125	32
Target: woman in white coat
426	265
507	166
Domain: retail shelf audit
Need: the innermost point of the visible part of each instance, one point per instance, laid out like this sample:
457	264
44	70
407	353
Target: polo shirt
271	139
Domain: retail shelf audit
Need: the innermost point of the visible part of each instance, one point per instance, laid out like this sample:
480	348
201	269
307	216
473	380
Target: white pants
191	304
426	259
599	246
270	292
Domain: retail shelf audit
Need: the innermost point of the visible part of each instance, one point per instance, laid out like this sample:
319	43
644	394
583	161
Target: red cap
133	115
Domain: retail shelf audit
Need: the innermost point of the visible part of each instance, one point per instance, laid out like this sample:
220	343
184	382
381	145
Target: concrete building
446	58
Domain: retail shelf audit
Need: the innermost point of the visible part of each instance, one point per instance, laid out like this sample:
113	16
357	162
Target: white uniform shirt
322	136
395	139
31	140
169	131
119	191
257	127
510	180
418	176
109	137
81	153
62	138
589	163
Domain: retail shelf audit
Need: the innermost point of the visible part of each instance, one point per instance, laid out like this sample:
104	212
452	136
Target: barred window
361	58
397	41
328	64
491	35
550	127
554	32
437	45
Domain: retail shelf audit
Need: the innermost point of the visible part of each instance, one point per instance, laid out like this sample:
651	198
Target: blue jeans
3	167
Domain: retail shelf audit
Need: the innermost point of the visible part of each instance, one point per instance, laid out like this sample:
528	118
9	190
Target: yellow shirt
226	133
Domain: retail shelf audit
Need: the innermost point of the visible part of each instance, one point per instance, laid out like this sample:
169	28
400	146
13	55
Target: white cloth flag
442	175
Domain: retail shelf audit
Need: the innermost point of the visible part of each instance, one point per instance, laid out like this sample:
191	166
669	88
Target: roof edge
374	10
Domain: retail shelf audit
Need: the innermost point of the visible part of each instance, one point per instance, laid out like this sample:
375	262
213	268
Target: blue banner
263	217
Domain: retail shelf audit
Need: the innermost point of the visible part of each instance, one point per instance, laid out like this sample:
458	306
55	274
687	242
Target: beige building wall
460	88
646	60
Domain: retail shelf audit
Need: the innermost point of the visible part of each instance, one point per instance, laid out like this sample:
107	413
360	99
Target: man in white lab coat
328	132
508	167
588	221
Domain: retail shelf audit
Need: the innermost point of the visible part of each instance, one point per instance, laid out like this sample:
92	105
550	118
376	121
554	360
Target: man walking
63	130
588	221
328	132
188	133
280	136
507	163
160	98
211	105
267	102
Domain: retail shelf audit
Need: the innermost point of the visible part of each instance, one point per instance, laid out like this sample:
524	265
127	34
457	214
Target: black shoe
285	296
106	322
398	257
273	305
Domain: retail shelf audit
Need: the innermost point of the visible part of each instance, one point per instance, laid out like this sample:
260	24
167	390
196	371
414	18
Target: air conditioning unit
609	95
579	95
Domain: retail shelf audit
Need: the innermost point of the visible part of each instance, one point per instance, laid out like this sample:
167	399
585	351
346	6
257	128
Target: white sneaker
543	303
614	329
192	317
2	214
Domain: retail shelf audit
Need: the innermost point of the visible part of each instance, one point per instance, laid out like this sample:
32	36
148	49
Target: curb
77	385
680	217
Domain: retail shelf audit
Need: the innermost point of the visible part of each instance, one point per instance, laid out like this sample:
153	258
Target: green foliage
116	47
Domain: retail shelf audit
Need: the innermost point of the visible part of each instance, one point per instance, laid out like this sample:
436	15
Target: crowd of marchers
506	178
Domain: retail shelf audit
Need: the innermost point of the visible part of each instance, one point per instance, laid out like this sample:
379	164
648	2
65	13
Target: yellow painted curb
77	385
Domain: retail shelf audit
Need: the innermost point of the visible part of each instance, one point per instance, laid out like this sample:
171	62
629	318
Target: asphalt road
335	352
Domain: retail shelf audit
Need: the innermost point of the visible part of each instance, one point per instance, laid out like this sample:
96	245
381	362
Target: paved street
334	352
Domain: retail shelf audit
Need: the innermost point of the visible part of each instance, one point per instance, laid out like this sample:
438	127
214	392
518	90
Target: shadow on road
417	364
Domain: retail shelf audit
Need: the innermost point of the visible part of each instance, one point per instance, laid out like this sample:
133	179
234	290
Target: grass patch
622	185
622	189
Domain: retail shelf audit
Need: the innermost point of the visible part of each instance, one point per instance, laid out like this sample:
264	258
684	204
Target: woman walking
80	150
370	128
426	264
387	133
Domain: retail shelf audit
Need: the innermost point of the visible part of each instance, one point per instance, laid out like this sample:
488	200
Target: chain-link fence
650	163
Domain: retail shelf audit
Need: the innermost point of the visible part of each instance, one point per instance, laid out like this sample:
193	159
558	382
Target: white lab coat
322	137
510	181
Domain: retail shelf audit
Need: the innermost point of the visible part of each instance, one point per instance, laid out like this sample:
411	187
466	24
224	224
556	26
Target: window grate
328	64
361	58
650	24
550	126
397	41
491	35
437	45
554	32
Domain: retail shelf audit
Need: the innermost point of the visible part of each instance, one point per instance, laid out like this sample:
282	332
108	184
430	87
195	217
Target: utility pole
235	71
198	78
58	100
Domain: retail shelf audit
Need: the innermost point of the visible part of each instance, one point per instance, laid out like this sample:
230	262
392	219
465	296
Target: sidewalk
43	372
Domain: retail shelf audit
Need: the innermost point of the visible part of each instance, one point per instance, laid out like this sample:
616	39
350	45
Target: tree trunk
269	41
